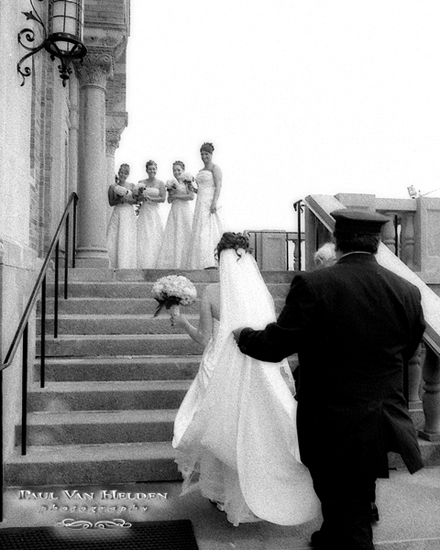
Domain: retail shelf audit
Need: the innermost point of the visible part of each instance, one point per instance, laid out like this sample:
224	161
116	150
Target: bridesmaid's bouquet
170	185
173	290
121	190
189	181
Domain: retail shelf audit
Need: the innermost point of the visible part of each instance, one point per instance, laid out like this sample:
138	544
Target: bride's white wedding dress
206	227
235	432
174	250
149	232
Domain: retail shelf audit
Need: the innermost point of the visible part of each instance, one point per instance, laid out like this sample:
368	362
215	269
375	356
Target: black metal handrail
22	332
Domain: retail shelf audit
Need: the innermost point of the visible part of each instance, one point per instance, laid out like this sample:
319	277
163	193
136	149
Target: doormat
102	535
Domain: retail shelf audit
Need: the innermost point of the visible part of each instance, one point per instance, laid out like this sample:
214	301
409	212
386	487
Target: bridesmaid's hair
179	163
207	147
124	165
150	163
235	241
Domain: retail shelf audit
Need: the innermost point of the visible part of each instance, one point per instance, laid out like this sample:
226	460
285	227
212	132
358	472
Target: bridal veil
242	440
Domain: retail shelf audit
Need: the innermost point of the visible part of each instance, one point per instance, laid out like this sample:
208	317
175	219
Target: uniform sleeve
280	339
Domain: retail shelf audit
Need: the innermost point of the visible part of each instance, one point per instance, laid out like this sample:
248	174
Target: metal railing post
24	390
2	475
75	201
55	309
43	334
66	259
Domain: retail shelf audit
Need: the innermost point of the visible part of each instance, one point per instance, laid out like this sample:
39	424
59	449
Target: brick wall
110	12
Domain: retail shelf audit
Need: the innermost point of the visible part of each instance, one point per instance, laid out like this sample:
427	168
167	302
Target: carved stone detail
113	138
95	68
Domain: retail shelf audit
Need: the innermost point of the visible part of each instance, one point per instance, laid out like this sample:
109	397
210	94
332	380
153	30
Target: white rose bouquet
189	181
121	191
170	185
173	290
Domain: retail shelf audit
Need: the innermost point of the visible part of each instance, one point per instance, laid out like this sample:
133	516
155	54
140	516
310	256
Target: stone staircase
115	377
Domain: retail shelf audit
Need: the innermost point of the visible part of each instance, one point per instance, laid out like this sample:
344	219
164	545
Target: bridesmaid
206	228
121	229
151	192
174	250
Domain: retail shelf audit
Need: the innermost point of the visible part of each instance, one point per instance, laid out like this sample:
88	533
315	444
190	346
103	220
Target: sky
299	97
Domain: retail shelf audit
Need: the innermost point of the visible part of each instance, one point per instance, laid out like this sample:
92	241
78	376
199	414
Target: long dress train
150	232
174	250
243	450
207	228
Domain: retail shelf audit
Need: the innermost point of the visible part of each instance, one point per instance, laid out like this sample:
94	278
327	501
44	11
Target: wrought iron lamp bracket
27	36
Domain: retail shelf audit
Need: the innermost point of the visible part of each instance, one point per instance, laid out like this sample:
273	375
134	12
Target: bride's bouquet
173	290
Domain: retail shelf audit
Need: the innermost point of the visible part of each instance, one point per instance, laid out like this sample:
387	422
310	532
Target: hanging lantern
63	39
66	22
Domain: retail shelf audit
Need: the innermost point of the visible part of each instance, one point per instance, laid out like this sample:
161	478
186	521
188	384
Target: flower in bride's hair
173	290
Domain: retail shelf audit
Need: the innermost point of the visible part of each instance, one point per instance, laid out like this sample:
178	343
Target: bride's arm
202	333
217	176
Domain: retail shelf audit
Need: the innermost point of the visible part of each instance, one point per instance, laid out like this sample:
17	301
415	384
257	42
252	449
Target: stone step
137	289
119	368
105	344
104	427
119	306
151	275
116	324
109	464
91	464
110	306
430	454
107	396
130	368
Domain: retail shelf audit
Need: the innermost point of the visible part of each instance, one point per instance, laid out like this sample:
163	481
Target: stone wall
34	156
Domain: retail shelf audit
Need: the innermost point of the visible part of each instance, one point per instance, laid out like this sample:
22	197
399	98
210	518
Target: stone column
112	143
93	73
73	135
389	233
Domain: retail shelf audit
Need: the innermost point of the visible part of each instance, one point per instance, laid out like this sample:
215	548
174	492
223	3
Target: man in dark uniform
354	325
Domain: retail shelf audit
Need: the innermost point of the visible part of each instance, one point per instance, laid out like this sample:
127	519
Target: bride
235	432
206	227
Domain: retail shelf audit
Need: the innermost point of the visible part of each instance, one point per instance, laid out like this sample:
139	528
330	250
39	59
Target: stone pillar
93	73
389	233
408	239
431	396
73	135
112	143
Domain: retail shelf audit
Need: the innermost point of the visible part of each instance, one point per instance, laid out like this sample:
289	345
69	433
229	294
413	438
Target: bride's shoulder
212	294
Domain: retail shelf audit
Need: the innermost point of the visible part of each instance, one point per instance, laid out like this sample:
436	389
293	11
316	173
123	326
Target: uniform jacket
354	326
